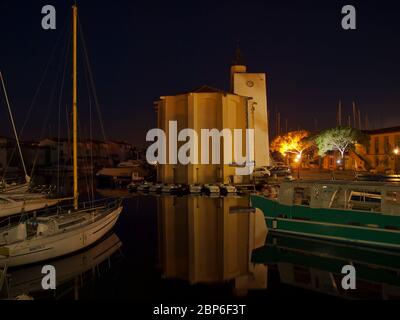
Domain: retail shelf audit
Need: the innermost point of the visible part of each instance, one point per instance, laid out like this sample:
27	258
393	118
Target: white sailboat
69	230
10	206
14	188
15	198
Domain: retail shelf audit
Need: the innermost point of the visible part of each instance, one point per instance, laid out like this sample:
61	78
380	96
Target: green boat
366	213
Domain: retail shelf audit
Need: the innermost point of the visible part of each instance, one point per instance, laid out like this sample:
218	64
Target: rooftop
383	130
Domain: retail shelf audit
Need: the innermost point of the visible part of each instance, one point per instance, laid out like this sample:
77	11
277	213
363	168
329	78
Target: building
33	154
253	85
204	108
381	154
103	153
245	107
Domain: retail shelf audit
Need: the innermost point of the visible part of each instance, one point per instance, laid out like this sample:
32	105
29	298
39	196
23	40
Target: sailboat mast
27	178
74	104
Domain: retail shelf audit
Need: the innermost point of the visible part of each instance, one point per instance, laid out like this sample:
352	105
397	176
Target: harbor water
194	248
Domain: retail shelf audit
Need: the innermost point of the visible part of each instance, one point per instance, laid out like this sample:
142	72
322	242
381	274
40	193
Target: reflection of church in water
206	240
210	240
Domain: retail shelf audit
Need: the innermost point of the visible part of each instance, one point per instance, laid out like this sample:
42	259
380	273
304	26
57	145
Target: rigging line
36	94
27	178
91	79
52	97
84	156
90	126
42	134
90	134
59	108
52	55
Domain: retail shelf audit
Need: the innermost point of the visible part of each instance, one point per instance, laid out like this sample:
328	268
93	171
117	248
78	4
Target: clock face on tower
250	84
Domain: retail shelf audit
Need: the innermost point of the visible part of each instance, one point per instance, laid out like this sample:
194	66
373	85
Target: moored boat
226	189
359	212
144	187
195	188
44	237
10	206
156	188
211	189
171	188
47	237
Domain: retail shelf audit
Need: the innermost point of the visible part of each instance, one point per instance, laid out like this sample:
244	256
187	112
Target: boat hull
41	249
21	188
15	208
359	227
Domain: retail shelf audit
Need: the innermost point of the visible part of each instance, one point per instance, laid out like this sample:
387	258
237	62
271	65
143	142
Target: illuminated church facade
244	107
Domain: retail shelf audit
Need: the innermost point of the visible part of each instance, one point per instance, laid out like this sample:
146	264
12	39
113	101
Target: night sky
142	50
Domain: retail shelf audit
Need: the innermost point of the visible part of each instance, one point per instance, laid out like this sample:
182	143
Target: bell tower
253	85
238	65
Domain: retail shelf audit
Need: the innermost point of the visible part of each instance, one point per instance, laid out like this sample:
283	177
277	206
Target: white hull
50	247
21	188
17	207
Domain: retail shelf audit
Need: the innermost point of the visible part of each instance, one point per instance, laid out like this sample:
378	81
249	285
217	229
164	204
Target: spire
238	60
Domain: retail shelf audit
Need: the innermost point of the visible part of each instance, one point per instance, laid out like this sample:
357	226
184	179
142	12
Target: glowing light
396	151
290	143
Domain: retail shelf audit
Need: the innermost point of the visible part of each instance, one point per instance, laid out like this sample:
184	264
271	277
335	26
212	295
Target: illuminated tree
339	139
294	142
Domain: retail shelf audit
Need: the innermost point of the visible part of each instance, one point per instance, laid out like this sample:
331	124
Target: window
397	140
376	145
301	196
386	144
393	197
365	201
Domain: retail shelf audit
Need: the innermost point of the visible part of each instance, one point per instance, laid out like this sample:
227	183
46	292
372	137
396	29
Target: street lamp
339	162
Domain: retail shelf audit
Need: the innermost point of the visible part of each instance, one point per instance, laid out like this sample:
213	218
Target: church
243	107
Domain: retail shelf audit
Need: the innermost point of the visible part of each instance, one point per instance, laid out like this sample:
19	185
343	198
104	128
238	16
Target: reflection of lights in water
202	240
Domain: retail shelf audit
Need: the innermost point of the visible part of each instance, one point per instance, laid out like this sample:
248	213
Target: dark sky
142	50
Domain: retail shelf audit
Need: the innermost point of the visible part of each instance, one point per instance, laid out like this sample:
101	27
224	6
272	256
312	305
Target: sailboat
14	188
15	198
70	229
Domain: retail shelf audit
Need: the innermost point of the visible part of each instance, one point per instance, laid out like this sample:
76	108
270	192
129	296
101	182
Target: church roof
207	89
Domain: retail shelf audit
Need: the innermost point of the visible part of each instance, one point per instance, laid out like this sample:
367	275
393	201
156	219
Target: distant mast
74	103
27	178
